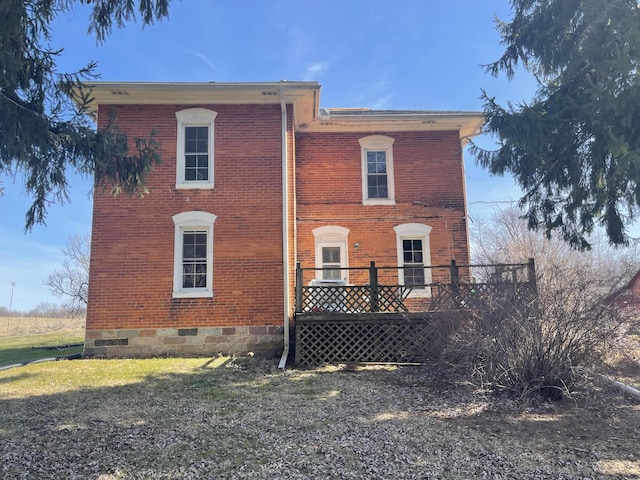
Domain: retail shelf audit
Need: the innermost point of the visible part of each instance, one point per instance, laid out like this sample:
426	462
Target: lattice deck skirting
374	337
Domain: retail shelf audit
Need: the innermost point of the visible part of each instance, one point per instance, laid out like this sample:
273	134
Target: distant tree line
44	310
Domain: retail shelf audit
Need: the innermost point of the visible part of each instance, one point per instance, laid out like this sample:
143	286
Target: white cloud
313	70
201	56
376	95
381	103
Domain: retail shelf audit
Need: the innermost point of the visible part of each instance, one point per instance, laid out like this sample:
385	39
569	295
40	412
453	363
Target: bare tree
506	238
72	280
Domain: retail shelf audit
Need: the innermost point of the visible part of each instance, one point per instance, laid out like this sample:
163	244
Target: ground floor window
414	257
193	254
194	259
331	253
331	258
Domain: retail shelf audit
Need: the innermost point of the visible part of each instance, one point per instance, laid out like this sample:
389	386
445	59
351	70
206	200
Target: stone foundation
153	342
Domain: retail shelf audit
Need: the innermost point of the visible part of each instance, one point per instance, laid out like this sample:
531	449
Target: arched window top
194	217
417	229
330	231
196	115
376	141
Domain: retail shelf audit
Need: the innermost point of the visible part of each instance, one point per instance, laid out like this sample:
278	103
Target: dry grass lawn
13	326
243	419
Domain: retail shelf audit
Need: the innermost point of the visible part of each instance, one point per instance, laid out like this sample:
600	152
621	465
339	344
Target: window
377	170
193	254
331	252
331	258
194	259
412	251
414	255
194	155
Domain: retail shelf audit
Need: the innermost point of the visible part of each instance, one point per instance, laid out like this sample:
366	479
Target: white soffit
304	96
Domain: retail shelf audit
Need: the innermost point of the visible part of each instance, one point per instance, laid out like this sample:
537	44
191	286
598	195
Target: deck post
455	278
531	272
373	281
298	288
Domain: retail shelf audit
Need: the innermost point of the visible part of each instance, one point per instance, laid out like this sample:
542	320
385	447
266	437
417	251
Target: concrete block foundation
183	342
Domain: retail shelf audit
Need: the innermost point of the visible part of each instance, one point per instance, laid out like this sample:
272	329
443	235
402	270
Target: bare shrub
511	341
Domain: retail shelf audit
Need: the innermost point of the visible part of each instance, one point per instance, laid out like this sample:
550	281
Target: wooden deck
371	337
340	323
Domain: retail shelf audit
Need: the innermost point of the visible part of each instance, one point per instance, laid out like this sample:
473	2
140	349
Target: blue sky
409	54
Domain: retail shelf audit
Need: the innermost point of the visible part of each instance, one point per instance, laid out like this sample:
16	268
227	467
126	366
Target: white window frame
415	231
332	236
194	117
377	143
185	222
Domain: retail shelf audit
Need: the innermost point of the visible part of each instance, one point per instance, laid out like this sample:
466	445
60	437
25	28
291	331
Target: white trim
377	143
331	236
192	221
285	228
194	117
414	231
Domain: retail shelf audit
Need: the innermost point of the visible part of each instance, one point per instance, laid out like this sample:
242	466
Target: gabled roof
304	96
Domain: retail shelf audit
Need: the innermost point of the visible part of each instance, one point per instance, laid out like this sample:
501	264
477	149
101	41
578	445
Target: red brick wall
429	189
131	278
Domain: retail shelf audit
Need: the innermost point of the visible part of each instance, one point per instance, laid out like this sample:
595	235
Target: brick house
255	179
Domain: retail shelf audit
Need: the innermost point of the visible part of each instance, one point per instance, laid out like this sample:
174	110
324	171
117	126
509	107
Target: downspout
285	230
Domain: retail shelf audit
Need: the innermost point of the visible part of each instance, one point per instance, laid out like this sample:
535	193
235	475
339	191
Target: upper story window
193	254
194	154
377	170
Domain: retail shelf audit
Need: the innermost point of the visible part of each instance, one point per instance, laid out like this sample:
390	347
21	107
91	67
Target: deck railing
378	289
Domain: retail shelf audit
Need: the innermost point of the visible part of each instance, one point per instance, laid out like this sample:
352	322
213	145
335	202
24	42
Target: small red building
256	178
627	296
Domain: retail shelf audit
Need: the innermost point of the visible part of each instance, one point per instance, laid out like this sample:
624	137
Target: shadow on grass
16	356
15	377
241	418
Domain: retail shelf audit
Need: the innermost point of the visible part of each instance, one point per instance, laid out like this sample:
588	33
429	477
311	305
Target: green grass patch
20	349
163	376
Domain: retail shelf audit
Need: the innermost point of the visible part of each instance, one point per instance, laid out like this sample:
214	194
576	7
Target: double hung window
194	153
414	257
377	170
413	262
194	259
193	254
377	177
331	259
